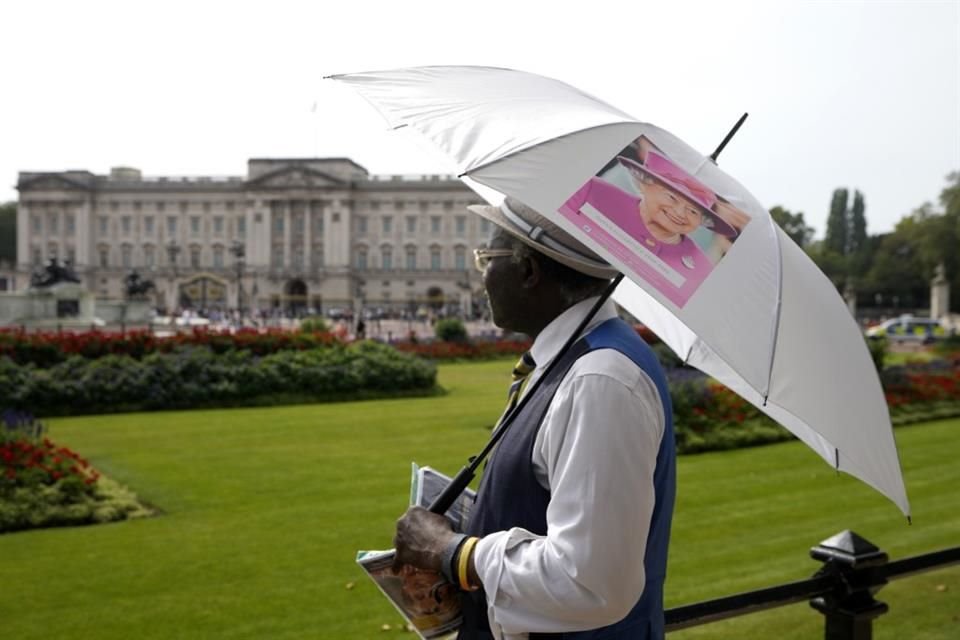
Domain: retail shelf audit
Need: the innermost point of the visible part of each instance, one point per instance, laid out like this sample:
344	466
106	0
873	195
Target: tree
858	246
8	232
857	237
835	239
907	259
793	225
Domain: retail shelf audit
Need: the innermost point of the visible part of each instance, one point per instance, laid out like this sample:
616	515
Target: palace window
387	224
460	224
435	259
386	258
148	225
434	224
411	258
411	224
218	225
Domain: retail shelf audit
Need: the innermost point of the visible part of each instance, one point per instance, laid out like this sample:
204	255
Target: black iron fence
843	590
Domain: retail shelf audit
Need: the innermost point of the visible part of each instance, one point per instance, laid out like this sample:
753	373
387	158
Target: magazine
428	602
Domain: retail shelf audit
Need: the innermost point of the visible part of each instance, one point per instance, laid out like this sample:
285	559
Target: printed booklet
428	602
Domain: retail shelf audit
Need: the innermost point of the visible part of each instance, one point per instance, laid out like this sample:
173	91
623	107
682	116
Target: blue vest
510	496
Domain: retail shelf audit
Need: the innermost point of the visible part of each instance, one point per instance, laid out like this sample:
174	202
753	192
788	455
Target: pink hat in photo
663	170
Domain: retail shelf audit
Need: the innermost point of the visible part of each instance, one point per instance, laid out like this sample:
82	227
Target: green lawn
264	510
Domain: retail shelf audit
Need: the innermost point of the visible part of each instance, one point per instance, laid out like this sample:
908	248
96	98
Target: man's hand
421	538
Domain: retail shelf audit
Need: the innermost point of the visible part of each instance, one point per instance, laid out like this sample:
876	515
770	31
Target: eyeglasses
481	257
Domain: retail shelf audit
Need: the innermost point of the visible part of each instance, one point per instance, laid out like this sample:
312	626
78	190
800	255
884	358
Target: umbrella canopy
706	267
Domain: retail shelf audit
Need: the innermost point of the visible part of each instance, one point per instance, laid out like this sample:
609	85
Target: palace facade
300	235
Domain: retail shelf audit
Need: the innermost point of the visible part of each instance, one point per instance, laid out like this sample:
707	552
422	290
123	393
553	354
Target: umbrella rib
775	331
523	149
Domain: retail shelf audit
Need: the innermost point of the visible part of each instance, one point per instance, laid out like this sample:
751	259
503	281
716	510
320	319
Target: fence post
850	609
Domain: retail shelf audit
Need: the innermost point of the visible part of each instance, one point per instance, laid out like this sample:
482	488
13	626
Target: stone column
82	224
307	238
940	294
287	223
24	230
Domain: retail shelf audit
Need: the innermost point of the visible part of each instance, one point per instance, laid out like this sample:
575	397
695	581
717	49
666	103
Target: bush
198	377
450	330
878	351
314	324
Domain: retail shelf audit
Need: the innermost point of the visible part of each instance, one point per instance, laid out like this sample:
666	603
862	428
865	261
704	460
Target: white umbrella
760	317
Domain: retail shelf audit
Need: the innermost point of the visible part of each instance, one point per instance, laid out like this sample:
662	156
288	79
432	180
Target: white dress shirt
595	453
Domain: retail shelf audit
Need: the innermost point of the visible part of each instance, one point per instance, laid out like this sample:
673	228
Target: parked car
909	329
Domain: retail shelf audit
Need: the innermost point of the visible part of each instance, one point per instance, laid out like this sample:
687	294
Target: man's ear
530	272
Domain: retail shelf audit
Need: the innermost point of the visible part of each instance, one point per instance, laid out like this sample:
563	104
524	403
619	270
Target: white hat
546	237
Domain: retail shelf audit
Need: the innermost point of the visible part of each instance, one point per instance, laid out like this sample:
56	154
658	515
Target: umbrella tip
736	127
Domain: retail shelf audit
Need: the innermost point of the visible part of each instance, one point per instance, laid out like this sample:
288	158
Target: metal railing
853	571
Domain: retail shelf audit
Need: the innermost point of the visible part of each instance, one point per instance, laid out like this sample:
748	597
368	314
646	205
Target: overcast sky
860	95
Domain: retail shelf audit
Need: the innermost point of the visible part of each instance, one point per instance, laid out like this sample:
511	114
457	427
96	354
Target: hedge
197	377
48	348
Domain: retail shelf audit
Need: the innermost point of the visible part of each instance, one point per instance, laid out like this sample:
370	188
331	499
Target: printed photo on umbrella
666	225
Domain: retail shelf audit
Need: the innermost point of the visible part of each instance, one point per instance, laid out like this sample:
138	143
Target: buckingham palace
294	236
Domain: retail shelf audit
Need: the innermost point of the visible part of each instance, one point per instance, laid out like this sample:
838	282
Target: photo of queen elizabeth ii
670	227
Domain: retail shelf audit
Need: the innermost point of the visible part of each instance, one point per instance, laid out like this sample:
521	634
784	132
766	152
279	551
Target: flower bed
708	416
45	349
439	350
45	485
198	377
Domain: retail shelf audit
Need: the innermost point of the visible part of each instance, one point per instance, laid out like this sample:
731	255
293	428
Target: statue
54	273
136	286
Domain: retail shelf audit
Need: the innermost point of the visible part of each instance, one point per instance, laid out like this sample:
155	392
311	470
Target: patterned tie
520	372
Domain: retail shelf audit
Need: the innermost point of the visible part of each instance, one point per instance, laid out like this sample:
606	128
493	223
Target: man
570	529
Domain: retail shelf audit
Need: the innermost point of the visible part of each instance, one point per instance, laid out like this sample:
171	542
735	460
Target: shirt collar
555	334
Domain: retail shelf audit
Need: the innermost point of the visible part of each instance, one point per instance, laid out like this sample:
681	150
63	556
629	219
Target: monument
55	299
940	294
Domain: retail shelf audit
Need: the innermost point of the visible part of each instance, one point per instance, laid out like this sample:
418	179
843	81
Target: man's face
501	279
666	211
